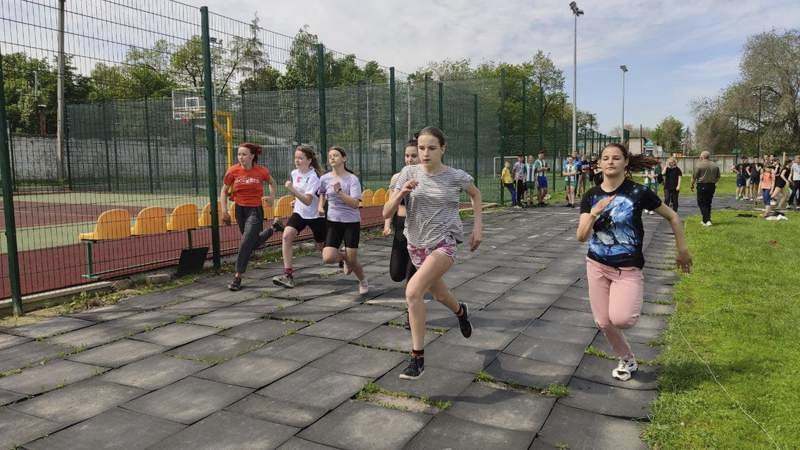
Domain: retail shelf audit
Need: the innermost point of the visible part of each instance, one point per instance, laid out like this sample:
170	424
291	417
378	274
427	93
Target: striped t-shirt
432	207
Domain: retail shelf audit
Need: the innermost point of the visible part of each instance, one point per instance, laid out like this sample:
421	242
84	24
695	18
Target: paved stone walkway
266	367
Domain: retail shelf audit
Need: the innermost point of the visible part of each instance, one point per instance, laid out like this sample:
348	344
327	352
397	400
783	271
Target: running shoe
625	369
463	322
284	280
414	370
363	287
236	284
278	227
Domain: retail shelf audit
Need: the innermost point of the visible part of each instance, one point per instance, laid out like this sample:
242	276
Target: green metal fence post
116	150
323	125
475	138
524	119
427	101
11	152
194	159
243	112
441	106
8	206
502	125
541	114
298	124
149	149
208	93
392	120
103	108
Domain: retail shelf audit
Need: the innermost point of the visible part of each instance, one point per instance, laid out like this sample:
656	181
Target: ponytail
635	162
312	155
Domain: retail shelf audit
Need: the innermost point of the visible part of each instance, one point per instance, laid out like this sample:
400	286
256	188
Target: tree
669	134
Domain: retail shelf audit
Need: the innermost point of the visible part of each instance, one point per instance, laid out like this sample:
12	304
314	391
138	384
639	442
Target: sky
676	50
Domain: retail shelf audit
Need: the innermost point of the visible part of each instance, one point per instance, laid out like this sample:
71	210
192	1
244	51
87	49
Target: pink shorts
418	254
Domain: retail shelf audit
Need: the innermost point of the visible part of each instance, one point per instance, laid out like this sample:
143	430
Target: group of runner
774	182
422	212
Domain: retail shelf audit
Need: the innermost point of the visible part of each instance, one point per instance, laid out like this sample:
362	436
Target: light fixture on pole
576	12
622	128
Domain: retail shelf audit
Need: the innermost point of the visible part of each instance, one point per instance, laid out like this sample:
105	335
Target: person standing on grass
303	184
766	186
783	177
540	168
672	183
740	170
433	229
755	179
244	181
611	220
400	267
705	177
570	174
341	190
507	181
795	169
519	179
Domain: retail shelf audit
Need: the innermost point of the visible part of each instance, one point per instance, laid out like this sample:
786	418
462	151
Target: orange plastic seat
283	207
112	224
183	217
151	220
379	197
205	216
269	213
366	197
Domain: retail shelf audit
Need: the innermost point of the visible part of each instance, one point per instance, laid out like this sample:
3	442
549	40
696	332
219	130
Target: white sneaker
625	369
363	287
650	212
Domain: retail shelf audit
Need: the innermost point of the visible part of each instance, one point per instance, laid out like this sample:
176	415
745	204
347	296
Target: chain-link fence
156	96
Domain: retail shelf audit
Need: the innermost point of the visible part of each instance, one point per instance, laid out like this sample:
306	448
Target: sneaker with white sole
284	280
415	369
625	369
363	287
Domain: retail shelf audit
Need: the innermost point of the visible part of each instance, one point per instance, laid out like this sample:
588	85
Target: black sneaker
236	284
414	370
463	322
277	226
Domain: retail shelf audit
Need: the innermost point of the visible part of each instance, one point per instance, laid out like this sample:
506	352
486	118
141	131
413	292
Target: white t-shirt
795	172
306	183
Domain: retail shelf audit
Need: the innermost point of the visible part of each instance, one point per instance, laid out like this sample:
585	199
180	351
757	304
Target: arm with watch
347	199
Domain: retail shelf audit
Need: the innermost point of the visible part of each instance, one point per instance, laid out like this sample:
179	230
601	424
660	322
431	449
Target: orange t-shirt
767	180
247	184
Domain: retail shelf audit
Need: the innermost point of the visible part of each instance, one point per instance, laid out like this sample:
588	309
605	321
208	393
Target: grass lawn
739	310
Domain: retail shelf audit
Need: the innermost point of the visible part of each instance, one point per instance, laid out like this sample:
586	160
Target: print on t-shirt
618	230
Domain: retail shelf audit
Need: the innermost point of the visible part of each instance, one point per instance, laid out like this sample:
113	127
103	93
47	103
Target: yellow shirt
505	176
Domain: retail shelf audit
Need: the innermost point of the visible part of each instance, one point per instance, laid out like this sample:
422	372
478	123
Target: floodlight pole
624	69
60	110
576	12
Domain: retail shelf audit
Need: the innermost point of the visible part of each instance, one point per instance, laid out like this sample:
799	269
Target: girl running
245	183
433	228
341	189
400	267
611	219
303	184
570	173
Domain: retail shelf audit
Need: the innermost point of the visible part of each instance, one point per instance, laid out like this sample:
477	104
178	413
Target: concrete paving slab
8	397
29	353
42	378
9	340
229	430
546	350
188	400
78	401
338	328
116	428
315	387
527	372
154	372
176	334
49	327
118	353
90	336
509	409
596	431
296	443
361	361
264	330
596	369
569	317
371	313
299	348
253	371
359	425
17	428
225	318
485	339
446	432
277	411
214	349
609	400
392	338
542	329
460	358
436	383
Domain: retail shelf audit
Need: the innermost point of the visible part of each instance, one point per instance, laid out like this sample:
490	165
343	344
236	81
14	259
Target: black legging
671	198
400	267
251	222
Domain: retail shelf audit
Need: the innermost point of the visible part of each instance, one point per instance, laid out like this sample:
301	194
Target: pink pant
616	299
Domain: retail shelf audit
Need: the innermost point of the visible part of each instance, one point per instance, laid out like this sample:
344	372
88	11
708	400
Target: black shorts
349	232
317	226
